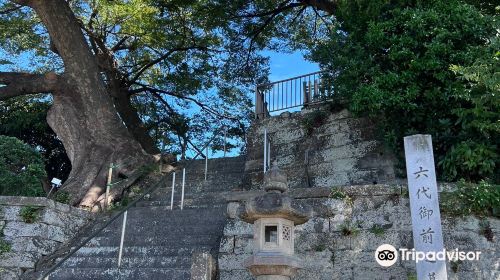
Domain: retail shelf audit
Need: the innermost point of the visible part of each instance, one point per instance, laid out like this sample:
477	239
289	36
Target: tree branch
160	59
118	46
329	6
21	2
281	7
17	84
198	103
9	10
272	14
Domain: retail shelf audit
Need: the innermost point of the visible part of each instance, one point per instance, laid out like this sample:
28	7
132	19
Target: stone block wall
342	151
55	224
339	242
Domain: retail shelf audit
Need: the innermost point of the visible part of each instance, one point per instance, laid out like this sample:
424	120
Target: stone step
176	241
188	203
196	201
175	262
164	213
139	251
145	228
121	274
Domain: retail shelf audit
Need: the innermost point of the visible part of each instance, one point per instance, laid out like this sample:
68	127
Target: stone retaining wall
24	243
329	252
341	151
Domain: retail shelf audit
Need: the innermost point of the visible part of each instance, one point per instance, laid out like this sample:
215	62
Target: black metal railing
291	93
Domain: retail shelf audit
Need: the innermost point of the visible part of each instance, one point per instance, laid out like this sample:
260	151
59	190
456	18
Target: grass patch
30	214
350	229
377	229
5	247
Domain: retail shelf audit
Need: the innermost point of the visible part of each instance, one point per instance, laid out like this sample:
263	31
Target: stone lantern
274	216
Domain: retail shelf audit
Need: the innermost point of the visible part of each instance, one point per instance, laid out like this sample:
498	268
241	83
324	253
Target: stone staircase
159	242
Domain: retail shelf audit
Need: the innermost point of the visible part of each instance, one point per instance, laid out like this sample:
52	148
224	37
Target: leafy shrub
62	197
21	169
338	194
475	161
481	199
30	214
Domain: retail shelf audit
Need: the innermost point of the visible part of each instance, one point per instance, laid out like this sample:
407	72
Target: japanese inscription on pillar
424	205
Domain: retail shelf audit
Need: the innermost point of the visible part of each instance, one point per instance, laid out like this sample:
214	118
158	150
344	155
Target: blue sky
287	65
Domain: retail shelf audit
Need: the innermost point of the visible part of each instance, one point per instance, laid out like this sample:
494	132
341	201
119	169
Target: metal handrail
289	79
290	93
116	216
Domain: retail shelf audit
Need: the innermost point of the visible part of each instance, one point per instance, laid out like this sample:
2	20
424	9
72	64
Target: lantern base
272	264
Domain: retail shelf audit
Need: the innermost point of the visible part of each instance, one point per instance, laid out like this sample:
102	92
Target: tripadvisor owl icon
386	255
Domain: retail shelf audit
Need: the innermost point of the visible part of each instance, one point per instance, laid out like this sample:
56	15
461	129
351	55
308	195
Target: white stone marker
424	205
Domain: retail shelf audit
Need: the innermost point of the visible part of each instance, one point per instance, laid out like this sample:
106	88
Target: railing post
268	153
183	182
206	163
258	103
265	150
305	93
173	189
124	224
225	139
108	185
316	90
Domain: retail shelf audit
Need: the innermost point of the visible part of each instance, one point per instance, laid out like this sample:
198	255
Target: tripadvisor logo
386	255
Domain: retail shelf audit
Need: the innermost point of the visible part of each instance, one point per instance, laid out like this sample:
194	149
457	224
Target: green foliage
412	276
21	169
377	229
481	199
426	67
5	247
314	120
62	197
29	214
470	160
25	118
338	194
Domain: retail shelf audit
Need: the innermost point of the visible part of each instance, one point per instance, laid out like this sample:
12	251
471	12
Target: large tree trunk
130	117
83	115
